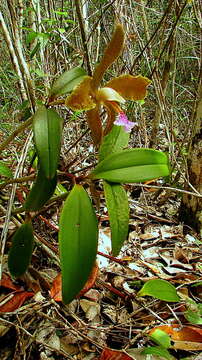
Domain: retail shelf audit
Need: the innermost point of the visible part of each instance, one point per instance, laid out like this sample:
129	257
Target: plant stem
17	131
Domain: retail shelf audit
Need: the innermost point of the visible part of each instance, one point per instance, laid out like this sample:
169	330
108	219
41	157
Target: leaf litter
109	320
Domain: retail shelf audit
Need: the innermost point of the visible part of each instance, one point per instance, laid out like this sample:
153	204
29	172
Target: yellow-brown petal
111	53
95	125
108	94
130	87
80	98
111	116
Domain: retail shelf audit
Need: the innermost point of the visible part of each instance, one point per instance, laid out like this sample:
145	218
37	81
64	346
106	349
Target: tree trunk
191	206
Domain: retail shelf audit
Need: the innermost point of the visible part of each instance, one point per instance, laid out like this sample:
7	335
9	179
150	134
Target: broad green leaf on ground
4	170
194	312
67	81
161	338
116	140
78	239
41	192
160	289
158	350
47	127
118	209
21	250
133	165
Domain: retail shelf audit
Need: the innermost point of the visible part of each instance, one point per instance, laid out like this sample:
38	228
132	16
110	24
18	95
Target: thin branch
17	180
83	36
169	188
16	132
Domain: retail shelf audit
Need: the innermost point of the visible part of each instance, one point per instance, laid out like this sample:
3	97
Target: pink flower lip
123	121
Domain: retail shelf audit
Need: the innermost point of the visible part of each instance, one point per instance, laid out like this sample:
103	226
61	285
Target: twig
17	180
36	340
12	197
169	188
83	36
17	131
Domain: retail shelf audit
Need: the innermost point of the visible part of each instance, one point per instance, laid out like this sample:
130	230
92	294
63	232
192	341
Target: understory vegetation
100	179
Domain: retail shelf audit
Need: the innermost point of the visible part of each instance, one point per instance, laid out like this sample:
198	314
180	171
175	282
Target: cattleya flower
89	96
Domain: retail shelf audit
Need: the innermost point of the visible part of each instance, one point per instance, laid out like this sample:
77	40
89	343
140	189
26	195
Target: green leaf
41	192
47	126
115	141
161	338
134	174
133	165
160	289
159	351
20	253
118	209
4	170
67	81
78	238
194	312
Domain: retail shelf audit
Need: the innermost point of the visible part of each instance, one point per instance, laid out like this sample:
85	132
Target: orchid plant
78	228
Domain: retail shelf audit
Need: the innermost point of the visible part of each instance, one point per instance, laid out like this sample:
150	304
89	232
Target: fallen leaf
186	333
108	354
90	308
187	345
56	289
7	282
15	300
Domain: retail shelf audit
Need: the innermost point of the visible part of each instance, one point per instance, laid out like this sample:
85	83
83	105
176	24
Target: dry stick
13	56
34	338
169	188
170	36
153	35
12	196
17	180
16	132
20	56
83	36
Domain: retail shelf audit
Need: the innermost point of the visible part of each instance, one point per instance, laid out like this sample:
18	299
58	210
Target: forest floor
35	324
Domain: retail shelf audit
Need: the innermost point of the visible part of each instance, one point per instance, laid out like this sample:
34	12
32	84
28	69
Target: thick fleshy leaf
4	170
131	157
118	209
95	125
116	140
41	192
108	94
113	50
80	98
133	165
133	174
67	82
21	250
78	238
47	126
130	87
160	289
